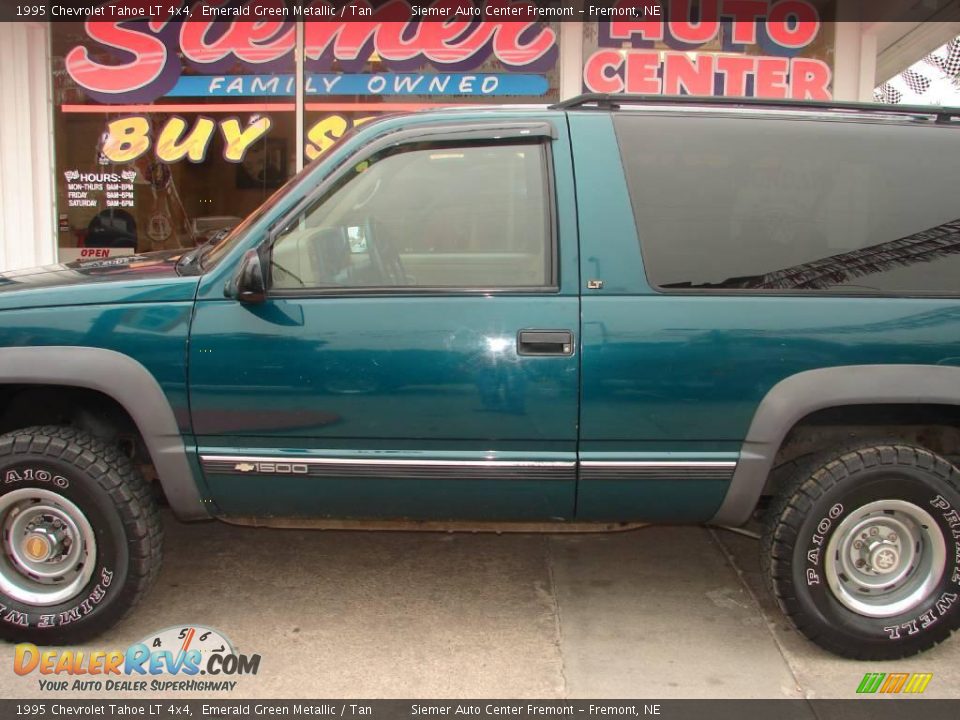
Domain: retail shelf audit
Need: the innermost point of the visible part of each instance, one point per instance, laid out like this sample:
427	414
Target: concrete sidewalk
655	613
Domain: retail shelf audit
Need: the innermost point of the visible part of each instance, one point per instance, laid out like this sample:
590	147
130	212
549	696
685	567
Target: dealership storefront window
155	164
168	133
162	139
783	58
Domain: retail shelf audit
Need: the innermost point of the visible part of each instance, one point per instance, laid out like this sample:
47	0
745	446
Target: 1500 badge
273	468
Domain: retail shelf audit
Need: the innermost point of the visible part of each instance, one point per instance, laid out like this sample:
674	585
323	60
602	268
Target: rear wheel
79	532
862	550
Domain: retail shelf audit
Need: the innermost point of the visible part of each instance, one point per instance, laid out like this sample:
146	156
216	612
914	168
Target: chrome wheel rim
885	558
49	547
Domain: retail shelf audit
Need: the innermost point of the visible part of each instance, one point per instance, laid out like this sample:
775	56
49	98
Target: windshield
218	250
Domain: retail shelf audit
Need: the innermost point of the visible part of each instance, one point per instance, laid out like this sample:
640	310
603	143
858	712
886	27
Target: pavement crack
731	561
557	620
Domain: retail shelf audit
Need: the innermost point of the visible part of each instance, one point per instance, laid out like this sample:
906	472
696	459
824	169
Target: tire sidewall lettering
817	542
68	614
35	474
106	582
815	594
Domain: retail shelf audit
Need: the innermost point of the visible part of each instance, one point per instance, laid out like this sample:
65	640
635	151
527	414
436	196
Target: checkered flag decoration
888	94
949	65
917	82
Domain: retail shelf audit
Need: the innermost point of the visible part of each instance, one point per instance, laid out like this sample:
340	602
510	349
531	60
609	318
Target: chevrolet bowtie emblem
244	467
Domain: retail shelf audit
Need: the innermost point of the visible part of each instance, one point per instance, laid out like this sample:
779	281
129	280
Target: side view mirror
248	285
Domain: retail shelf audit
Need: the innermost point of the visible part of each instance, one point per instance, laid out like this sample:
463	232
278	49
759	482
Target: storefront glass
700	51
168	140
168	133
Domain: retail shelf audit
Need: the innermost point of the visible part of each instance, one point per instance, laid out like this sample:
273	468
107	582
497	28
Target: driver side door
415	356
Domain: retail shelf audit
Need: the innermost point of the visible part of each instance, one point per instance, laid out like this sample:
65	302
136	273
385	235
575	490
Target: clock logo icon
182	639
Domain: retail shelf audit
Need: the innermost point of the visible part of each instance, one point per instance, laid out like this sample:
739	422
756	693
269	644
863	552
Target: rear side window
777	205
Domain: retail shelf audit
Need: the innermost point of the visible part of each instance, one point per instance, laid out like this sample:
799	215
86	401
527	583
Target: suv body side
511	319
688	393
671	408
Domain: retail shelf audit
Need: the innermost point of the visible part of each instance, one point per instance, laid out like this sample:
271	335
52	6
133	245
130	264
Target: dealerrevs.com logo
170	660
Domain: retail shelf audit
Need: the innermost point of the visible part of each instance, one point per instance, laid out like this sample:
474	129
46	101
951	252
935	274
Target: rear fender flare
795	397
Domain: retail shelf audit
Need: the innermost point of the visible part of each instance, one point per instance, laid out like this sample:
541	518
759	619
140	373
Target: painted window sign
737	48
433	84
203	112
146	61
129	138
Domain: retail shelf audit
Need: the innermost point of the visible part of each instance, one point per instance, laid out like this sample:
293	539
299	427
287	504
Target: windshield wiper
191	262
186	265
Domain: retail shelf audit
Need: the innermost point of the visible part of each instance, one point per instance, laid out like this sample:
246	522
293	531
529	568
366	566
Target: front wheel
862	551
80	534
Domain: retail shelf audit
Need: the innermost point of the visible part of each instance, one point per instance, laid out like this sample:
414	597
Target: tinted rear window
778	205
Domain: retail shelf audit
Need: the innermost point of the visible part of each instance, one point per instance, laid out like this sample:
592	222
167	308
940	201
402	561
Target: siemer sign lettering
142	61
152	68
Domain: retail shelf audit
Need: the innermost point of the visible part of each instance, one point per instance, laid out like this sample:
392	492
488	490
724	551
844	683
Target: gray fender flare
135	388
795	397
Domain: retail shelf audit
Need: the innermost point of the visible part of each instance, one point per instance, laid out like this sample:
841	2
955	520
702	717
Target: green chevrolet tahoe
608	312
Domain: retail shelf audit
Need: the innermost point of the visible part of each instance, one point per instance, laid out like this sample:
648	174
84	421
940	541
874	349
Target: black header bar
886	708
474	10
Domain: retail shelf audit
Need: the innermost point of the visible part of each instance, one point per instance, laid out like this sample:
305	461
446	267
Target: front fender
132	386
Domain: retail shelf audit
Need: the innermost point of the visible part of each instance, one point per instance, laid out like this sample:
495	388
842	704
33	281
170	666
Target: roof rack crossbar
613	102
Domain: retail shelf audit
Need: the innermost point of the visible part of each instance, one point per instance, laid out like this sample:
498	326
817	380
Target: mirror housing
248	284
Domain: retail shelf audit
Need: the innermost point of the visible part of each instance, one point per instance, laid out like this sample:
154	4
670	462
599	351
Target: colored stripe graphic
894	683
918	682
871	682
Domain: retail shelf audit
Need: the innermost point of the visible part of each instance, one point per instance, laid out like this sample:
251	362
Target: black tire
823	506
120	511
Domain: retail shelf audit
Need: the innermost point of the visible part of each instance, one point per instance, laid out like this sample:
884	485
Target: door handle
545	342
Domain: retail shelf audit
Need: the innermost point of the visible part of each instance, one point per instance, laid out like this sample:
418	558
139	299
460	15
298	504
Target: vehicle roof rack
602	101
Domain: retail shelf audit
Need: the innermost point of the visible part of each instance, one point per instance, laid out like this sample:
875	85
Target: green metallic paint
153	334
608	238
149	278
685	372
136	305
449	498
692	369
655	376
662	501
375	498
431	373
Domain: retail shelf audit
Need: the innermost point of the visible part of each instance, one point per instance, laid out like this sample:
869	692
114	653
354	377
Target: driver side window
473	216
